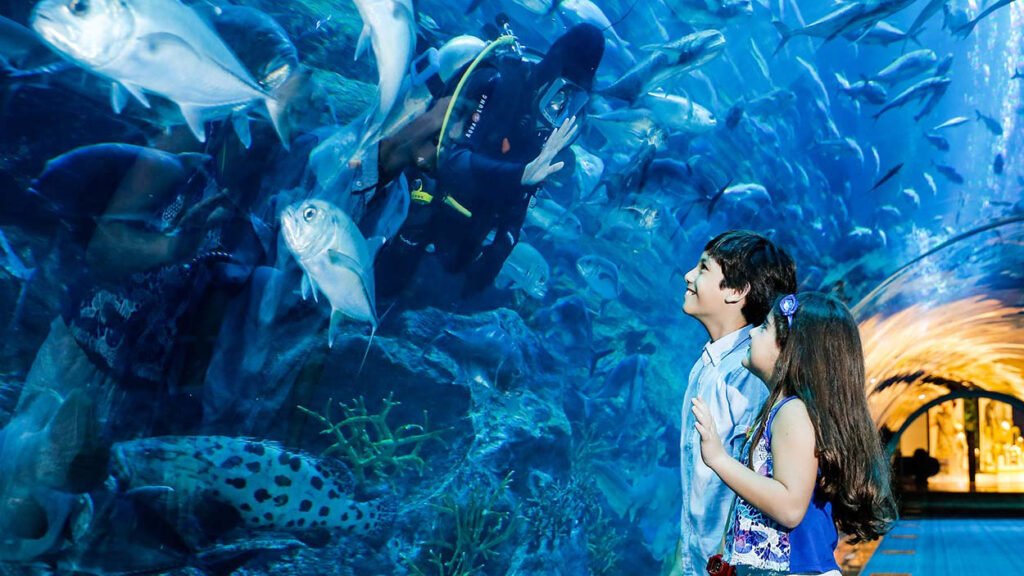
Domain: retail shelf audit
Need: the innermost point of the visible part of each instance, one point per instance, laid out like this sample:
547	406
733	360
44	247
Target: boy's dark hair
749	259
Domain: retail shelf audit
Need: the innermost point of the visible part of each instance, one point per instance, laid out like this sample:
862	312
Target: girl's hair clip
788	306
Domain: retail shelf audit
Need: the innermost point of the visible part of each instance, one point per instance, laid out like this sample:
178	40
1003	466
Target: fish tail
784	31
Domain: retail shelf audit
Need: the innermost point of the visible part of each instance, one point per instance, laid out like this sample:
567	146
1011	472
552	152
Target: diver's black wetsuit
482	166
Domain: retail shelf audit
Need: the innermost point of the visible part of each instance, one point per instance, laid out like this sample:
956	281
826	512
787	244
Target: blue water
529	426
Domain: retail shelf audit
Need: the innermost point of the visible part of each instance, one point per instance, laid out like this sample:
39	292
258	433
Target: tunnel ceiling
949	321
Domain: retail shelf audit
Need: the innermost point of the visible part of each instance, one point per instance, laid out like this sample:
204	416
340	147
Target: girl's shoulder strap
771	415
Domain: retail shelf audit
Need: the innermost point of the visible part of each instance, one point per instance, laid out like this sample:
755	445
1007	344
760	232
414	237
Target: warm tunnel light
950	321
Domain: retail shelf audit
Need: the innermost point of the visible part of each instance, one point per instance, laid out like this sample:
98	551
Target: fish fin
162	41
375	243
363	42
137	93
340	259
194	119
240	122
336	317
148	491
373	332
118	97
277	111
194	160
75	459
308	286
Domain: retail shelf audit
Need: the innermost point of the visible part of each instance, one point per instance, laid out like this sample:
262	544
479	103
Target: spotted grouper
258	483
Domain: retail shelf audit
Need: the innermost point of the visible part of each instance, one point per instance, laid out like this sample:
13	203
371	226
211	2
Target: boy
730	290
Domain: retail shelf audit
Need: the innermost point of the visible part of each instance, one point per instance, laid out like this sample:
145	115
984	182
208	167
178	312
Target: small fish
888	175
554	219
335	259
866	90
601	275
932	186
910	197
677	113
1018	74
992	124
938	140
933	86
888	216
526	270
907	66
733	117
12	264
956	121
390	27
260	484
950	173
998	163
965	29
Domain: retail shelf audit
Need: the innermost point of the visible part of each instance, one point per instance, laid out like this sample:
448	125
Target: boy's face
705	297
763	352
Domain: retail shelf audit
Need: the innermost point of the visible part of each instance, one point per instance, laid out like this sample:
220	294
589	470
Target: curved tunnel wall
949	322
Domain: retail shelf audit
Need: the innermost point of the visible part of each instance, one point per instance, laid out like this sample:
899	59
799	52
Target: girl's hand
711	449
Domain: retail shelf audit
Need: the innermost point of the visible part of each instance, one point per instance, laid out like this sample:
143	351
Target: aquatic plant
566	507
477	528
603	542
367	443
588	446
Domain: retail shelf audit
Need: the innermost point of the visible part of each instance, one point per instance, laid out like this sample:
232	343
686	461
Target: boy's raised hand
711	449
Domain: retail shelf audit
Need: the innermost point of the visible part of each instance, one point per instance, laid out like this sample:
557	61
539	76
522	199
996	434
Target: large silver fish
526	270
677	113
156	46
335	258
390	27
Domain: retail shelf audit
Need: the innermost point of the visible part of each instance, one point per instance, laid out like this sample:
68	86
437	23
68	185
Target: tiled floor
955	546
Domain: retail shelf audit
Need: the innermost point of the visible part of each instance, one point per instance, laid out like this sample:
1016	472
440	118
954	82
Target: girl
814	460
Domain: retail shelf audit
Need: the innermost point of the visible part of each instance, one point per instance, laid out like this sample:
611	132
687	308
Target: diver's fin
194	119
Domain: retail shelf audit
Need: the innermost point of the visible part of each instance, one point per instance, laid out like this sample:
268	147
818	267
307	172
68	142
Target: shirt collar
715	351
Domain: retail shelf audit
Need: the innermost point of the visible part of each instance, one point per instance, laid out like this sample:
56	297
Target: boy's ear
734	296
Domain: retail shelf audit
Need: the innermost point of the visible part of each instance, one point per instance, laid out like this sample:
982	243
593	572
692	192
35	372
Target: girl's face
763	351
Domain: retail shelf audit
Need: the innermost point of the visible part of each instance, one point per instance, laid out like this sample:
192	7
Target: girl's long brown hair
822	363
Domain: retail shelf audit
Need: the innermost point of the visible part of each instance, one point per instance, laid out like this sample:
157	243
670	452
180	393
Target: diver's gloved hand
541	166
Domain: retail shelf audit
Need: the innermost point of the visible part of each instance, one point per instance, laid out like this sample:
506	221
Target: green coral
367	443
478	528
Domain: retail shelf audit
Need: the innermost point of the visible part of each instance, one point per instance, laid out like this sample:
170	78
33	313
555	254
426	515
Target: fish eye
78	7
309	213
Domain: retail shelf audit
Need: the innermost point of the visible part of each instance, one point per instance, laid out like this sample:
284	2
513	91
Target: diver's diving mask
563	99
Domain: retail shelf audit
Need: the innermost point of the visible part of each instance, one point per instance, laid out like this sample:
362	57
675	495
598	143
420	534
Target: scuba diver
508	120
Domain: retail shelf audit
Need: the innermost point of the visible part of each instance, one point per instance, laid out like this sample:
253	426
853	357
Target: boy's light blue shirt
733	395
